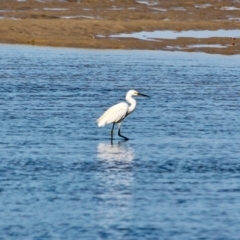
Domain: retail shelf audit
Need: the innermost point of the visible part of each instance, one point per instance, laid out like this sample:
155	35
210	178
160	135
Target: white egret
118	112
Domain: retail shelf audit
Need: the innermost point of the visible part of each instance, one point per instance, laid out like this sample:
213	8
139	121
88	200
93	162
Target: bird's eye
136	93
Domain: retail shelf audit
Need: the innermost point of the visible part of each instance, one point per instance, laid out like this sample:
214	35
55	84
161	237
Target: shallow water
208	46
230	8
61	178
168	34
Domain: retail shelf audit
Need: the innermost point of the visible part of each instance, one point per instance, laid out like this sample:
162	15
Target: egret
118	112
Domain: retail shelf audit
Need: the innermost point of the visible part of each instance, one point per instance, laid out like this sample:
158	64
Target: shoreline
88	24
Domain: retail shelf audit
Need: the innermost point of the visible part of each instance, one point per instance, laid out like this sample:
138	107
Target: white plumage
118	112
115	114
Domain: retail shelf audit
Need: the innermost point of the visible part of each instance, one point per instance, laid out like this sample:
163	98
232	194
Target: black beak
140	94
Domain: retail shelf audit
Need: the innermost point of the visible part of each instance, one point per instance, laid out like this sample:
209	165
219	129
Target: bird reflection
115	152
115	181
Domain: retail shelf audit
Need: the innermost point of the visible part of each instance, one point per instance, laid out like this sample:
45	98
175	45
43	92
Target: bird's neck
133	104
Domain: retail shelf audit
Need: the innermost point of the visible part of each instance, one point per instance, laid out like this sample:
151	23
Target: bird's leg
112	131
119	133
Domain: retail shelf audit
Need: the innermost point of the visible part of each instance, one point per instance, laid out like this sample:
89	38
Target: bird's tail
101	122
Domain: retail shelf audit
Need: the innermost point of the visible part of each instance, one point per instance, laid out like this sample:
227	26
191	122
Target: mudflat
205	26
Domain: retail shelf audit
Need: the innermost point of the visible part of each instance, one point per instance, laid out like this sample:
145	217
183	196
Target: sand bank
96	24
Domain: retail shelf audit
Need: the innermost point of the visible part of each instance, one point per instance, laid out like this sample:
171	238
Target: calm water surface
178	177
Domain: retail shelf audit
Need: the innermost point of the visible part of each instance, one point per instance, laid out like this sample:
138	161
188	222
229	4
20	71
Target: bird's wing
114	114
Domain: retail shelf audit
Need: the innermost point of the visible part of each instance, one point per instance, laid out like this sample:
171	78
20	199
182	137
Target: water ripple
61	176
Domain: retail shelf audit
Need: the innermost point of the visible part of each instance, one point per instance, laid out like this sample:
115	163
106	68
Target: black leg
119	134
112	132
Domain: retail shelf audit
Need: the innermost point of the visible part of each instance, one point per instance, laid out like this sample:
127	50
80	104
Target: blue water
168	34
178	177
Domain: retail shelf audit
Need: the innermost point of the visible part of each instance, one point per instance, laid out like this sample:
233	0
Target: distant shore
90	24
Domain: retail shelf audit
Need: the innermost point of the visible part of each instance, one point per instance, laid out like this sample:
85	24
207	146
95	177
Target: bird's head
136	93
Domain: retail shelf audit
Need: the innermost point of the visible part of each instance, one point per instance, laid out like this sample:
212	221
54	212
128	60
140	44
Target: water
168	34
208	46
178	177
230	8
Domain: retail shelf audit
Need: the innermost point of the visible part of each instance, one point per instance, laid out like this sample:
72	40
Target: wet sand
90	24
